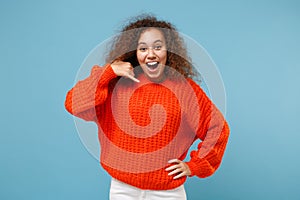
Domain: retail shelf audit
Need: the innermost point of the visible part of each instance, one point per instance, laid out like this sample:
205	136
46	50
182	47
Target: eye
143	49
157	47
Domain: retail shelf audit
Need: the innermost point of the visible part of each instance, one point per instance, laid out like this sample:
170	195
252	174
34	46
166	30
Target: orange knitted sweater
143	125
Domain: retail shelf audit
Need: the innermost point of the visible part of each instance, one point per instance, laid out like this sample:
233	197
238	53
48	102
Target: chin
155	78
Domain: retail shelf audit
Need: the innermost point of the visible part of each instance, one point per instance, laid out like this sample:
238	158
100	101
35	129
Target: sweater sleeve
83	98
213	131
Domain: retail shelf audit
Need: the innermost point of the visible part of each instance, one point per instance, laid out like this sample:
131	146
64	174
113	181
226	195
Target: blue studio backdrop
255	45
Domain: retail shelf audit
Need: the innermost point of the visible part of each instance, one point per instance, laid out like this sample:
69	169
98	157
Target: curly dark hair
124	45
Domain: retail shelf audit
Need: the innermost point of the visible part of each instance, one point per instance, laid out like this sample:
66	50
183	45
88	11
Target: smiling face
152	54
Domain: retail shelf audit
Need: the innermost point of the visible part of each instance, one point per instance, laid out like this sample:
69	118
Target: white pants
123	191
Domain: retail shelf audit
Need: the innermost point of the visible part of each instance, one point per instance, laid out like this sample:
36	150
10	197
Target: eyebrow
153	42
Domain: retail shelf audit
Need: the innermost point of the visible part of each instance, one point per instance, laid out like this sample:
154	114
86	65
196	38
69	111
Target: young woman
149	111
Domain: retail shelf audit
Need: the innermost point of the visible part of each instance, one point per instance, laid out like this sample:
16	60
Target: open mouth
152	65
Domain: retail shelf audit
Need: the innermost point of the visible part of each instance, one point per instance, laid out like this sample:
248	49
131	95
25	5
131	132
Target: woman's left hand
180	168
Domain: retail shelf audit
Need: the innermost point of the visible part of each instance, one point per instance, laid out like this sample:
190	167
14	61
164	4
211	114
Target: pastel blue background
255	45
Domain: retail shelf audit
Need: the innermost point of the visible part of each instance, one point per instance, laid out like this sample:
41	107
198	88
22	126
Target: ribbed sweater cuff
201	169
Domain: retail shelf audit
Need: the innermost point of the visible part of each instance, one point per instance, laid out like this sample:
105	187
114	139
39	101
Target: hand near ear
124	69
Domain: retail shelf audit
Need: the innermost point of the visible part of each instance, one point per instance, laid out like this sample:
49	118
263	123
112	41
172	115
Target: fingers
125	69
133	78
180	175
174	161
130	74
172	167
179	168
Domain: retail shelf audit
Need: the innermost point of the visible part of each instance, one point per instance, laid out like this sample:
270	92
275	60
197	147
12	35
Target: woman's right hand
125	69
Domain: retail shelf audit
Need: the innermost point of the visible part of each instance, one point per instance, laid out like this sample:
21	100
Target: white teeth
152	63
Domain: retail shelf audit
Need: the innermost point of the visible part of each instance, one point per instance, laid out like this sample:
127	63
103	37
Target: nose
151	55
